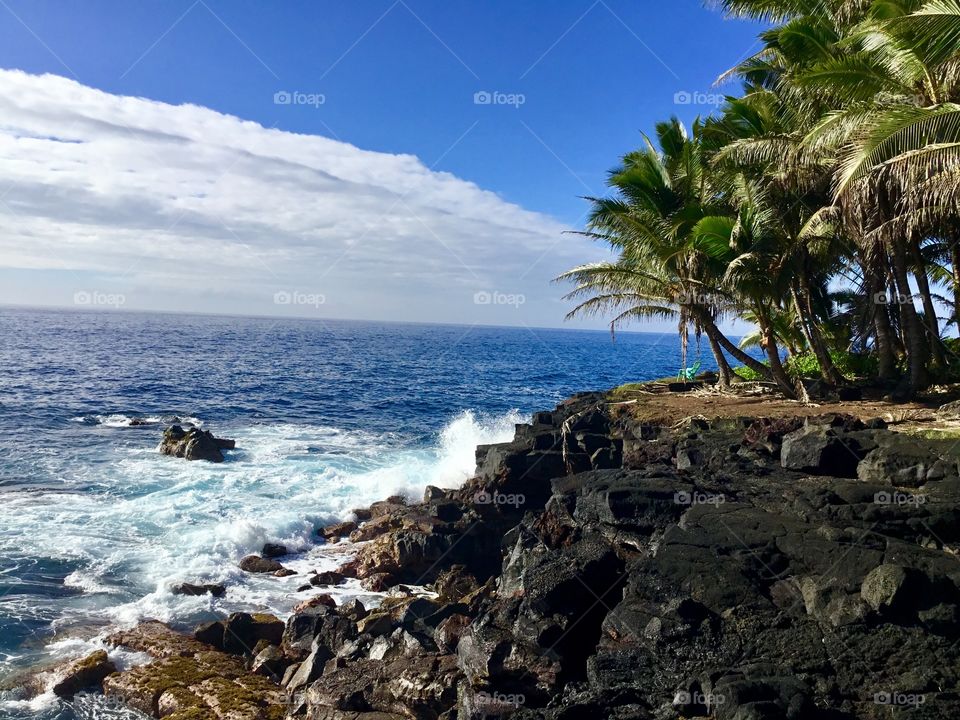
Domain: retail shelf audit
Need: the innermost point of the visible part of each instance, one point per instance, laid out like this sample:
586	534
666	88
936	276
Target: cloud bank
182	207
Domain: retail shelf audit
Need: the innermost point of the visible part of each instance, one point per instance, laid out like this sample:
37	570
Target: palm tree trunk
915	341
725	371
886	354
954	241
873	267
769	343
714	334
929	311
828	371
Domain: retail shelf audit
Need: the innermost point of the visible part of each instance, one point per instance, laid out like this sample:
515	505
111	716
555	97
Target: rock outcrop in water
599	566
194	444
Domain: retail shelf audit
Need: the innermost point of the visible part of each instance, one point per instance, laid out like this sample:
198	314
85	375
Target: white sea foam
456	459
156	521
121	421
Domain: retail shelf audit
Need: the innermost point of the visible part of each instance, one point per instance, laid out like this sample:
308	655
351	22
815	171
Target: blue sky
570	83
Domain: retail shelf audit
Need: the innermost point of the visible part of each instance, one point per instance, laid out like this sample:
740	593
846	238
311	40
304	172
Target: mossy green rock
192	682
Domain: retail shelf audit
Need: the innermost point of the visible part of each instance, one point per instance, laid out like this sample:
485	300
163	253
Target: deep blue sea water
96	526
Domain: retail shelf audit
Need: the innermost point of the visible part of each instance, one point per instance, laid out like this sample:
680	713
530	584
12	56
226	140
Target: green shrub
804	365
850	365
747	373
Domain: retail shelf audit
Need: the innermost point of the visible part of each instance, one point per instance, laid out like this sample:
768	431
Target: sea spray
158	521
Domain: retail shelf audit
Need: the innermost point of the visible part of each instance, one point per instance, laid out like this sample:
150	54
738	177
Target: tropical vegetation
821	202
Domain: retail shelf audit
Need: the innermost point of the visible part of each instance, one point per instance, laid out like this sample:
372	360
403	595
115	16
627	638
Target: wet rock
81	674
315	601
432	493
327	578
257	564
273	550
194	444
762	581
190	589
157	639
189	680
242	631
339	530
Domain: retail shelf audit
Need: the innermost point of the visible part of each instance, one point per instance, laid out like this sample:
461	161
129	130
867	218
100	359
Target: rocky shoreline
600	565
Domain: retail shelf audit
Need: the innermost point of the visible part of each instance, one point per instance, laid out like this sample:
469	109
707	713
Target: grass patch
933	433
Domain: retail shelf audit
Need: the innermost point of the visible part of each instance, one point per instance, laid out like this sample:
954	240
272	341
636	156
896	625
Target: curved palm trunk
811	332
929	311
914	335
725	371
716	336
769	343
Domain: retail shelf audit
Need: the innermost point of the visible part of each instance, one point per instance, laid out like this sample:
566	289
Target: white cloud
183	207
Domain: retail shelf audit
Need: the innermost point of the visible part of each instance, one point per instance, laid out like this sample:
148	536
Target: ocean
96	526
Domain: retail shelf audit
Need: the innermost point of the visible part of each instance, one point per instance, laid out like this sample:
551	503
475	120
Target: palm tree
835	174
760	136
661	194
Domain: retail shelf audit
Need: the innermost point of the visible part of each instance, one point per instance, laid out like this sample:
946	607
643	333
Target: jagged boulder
908	461
83	674
194	444
262	565
820	450
191	589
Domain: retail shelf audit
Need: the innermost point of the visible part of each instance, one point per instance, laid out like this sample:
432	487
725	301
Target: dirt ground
653	402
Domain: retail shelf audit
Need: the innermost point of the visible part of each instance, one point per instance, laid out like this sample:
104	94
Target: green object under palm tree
690	373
